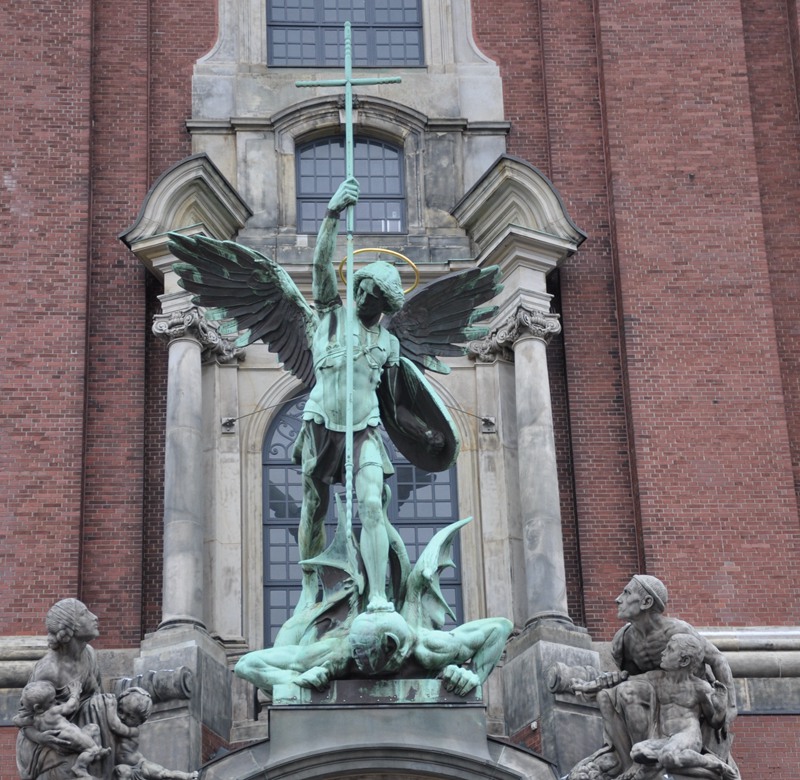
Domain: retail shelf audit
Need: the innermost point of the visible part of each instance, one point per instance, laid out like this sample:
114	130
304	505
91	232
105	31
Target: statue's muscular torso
637	651
374	349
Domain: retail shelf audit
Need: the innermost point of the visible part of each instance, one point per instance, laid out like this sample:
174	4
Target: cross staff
347	82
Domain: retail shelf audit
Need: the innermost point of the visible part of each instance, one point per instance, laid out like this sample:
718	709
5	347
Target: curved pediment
191	196
514	195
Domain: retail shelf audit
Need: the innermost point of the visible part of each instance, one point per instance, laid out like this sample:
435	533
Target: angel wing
439	317
425	606
251	295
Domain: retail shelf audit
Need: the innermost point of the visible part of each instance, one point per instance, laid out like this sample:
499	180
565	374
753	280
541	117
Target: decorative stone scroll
524	323
190	323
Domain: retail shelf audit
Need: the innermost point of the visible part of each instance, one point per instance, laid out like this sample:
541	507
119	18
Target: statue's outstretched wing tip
252	292
437	320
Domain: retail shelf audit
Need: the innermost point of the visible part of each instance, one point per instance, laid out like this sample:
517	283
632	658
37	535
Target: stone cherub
254	296
627	698
42	715
134	706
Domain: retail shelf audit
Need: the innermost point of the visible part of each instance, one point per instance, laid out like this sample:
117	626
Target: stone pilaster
524	335
189	335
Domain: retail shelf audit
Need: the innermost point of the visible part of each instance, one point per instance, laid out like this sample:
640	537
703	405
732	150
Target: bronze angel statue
395	340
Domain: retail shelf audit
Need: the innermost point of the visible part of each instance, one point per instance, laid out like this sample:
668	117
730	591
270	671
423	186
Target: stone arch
279	390
416	759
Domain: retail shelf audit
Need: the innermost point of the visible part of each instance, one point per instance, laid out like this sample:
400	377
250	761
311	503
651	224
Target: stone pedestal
173	736
377	729
563	728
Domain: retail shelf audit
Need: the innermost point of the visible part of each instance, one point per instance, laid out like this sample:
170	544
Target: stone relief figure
669	706
255	297
68	727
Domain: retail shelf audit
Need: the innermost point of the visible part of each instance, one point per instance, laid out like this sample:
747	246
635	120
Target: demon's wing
251	295
425	606
438	318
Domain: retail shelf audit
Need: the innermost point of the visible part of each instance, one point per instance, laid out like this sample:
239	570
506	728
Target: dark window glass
422	504
377	165
309	33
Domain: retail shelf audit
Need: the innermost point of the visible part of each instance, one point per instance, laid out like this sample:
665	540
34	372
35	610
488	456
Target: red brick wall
44	203
706	404
113	541
771	79
679	371
95	104
8	749
767	746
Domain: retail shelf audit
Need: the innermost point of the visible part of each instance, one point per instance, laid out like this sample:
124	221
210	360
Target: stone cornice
192	197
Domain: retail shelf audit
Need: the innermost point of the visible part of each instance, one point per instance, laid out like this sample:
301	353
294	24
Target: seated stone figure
679	702
625	697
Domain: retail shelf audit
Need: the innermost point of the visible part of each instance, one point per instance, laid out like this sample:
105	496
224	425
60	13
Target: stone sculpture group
668	708
68	726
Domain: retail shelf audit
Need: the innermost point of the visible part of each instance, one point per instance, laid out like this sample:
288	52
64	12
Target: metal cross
348	82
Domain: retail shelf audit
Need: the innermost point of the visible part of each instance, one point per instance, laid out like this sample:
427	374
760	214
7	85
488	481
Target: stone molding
192	197
524	323
190	323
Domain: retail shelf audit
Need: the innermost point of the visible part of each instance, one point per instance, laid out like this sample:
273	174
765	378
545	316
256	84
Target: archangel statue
395	338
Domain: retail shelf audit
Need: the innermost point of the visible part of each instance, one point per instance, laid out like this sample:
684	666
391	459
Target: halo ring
391	252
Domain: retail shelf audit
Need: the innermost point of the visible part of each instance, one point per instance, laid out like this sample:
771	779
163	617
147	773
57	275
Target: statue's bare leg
374	538
627	710
311	534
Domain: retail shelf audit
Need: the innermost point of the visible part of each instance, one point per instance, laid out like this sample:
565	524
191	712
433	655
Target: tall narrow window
308	33
422	503
378	166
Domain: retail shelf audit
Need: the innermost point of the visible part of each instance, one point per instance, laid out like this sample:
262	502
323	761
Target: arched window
378	166
422	503
308	33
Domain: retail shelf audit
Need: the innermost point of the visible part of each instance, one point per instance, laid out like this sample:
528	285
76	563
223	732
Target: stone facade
633	167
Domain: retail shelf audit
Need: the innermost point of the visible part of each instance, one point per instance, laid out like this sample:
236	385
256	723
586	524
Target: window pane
386	33
377	165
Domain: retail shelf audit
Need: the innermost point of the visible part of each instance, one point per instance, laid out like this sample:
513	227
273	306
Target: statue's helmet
387	279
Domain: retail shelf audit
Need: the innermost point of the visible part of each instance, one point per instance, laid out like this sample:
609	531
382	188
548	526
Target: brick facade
670	130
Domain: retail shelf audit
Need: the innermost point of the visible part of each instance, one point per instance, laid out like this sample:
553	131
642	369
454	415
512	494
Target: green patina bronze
363	364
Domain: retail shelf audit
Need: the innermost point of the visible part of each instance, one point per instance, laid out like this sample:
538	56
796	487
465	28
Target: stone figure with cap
628	699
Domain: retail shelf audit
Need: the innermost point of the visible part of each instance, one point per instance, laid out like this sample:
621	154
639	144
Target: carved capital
536	324
190	323
524	323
